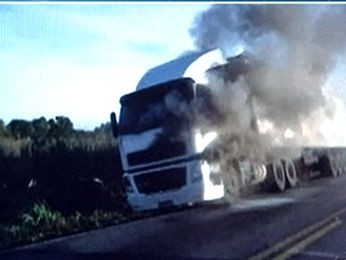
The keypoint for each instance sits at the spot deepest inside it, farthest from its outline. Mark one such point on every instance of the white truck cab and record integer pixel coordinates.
(162, 143)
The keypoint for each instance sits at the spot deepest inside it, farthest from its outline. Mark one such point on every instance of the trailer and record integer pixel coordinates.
(323, 162)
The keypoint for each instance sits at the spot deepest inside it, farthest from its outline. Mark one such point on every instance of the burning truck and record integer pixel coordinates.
(179, 146)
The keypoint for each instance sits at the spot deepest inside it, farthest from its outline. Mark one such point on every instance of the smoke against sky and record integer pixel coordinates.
(78, 60)
(296, 48)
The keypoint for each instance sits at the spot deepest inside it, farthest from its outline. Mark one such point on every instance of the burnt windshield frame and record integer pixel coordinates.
(145, 109)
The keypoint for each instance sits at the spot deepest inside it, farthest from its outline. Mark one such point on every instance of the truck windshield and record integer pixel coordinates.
(164, 105)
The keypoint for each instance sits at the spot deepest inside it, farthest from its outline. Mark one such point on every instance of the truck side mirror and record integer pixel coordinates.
(114, 124)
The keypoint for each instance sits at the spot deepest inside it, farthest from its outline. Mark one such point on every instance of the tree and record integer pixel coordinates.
(41, 128)
(20, 128)
(65, 125)
(60, 128)
(3, 131)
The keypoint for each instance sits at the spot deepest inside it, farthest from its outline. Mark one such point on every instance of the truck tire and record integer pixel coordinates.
(232, 182)
(291, 173)
(275, 180)
(279, 176)
(233, 185)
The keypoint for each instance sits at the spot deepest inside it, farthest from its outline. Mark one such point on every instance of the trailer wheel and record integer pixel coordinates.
(232, 183)
(275, 180)
(291, 173)
(279, 176)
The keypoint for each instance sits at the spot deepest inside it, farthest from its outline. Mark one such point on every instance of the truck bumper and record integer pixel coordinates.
(185, 195)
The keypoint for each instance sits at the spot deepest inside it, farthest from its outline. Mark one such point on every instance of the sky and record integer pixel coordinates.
(77, 60)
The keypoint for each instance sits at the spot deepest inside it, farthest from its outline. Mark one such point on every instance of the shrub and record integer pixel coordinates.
(37, 222)
(41, 222)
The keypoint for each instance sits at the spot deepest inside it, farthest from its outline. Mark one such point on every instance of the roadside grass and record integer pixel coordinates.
(40, 222)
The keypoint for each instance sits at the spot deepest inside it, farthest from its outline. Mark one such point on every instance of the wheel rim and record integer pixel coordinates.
(291, 174)
(279, 176)
(233, 185)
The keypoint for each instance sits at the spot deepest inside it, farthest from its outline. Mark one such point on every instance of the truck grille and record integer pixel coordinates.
(157, 153)
(163, 180)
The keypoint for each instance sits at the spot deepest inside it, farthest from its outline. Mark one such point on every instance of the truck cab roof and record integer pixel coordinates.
(191, 65)
(158, 90)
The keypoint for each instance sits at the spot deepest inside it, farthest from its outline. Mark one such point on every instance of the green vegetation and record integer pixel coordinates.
(41, 222)
(76, 173)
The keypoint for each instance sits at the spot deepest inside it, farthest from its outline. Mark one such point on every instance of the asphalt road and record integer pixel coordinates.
(303, 223)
